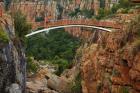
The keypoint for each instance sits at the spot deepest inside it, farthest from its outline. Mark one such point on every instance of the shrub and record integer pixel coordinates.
(3, 36)
(39, 19)
(7, 4)
(62, 64)
(21, 25)
(123, 10)
(114, 8)
(76, 85)
(124, 3)
(31, 65)
(103, 13)
(87, 13)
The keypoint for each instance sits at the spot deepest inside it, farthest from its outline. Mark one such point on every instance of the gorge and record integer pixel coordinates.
(71, 59)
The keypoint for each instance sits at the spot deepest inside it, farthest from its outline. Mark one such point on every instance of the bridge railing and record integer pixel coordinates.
(89, 22)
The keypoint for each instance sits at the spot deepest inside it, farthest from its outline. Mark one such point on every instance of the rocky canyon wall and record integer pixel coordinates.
(111, 61)
(12, 60)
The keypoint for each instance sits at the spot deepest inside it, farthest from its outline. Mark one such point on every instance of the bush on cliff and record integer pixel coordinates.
(3, 36)
(76, 85)
(31, 65)
(7, 4)
(22, 27)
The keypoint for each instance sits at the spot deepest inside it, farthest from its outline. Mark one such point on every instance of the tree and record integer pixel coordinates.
(57, 47)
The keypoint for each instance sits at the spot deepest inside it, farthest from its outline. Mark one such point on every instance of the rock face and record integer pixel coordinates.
(45, 81)
(12, 63)
(111, 62)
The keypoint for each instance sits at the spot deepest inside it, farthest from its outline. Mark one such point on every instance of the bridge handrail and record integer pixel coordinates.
(90, 22)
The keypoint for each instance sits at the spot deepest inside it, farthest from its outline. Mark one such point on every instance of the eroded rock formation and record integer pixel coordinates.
(110, 64)
(12, 61)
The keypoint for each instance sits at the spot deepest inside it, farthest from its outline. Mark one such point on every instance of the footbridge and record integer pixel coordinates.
(90, 23)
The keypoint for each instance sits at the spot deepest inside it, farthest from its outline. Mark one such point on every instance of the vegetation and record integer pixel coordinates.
(58, 47)
(76, 85)
(124, 89)
(3, 36)
(87, 13)
(133, 31)
(124, 6)
(31, 66)
(102, 3)
(103, 13)
(75, 12)
(62, 64)
(21, 25)
(7, 4)
(39, 19)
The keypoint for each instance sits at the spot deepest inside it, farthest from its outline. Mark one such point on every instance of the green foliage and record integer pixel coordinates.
(60, 10)
(21, 25)
(76, 85)
(7, 4)
(102, 3)
(74, 13)
(124, 90)
(123, 10)
(124, 3)
(57, 46)
(39, 19)
(31, 66)
(3, 36)
(103, 13)
(114, 8)
(87, 13)
(62, 64)
(55, 43)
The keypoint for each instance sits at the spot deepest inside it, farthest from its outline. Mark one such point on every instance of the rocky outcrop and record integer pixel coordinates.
(110, 63)
(12, 62)
(45, 81)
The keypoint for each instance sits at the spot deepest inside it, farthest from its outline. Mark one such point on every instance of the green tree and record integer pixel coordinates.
(58, 47)
(76, 85)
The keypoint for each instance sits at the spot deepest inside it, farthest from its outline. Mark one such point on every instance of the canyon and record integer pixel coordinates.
(108, 62)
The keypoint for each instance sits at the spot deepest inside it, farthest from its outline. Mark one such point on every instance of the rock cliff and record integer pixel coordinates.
(111, 61)
(12, 60)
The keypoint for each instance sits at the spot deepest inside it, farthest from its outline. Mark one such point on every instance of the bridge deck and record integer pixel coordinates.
(107, 24)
